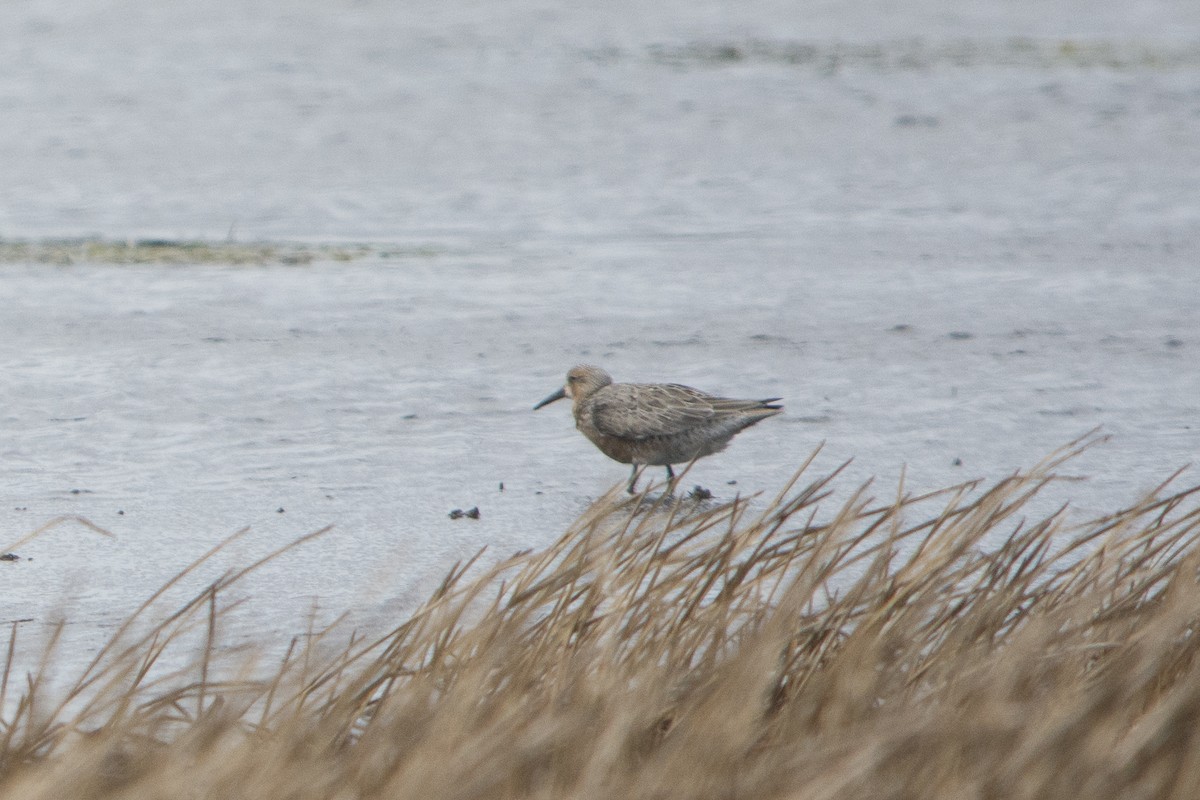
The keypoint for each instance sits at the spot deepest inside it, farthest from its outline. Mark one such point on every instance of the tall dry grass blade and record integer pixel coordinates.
(9, 653)
(51, 525)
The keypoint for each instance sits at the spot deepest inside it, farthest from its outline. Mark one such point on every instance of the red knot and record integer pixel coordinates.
(657, 424)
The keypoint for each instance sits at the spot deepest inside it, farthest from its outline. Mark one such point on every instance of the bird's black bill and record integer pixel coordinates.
(559, 395)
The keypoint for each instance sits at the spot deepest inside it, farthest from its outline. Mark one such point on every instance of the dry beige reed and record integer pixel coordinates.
(879, 649)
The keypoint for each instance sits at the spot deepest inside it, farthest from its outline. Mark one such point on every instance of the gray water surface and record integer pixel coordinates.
(952, 238)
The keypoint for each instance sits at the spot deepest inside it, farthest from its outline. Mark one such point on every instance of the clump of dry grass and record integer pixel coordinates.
(877, 651)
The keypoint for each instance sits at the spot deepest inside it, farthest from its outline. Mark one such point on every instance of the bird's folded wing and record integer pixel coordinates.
(641, 411)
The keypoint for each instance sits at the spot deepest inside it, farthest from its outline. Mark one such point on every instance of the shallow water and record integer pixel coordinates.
(939, 241)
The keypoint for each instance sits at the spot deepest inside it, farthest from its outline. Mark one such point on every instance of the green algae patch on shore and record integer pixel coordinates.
(919, 54)
(171, 251)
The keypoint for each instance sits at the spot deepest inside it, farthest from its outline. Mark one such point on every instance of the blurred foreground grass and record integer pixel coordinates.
(665, 652)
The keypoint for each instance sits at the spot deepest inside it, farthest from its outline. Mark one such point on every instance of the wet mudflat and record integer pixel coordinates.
(174, 406)
(948, 252)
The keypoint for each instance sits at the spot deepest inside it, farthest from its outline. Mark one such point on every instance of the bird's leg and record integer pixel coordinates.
(670, 480)
(633, 476)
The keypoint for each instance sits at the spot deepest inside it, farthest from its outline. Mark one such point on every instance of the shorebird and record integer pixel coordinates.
(657, 424)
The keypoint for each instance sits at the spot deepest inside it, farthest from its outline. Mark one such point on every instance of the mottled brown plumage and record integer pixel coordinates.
(655, 423)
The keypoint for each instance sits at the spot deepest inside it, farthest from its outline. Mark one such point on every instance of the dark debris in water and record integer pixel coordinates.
(9, 557)
(916, 121)
(470, 513)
